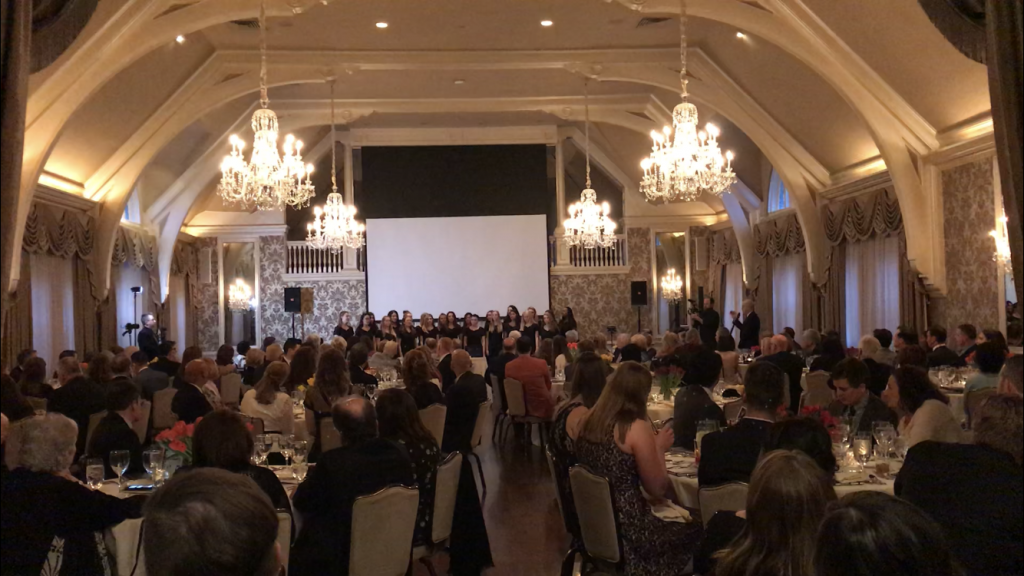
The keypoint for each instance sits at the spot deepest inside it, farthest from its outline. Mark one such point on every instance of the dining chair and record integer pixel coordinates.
(383, 525)
(563, 493)
(818, 393)
(142, 426)
(94, 421)
(284, 538)
(499, 408)
(973, 401)
(482, 415)
(433, 417)
(446, 489)
(231, 389)
(599, 522)
(330, 438)
(516, 398)
(733, 411)
(731, 497)
(163, 416)
(479, 366)
(128, 554)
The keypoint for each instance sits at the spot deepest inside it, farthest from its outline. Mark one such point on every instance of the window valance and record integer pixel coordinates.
(63, 233)
(779, 236)
(185, 261)
(858, 219)
(724, 248)
(135, 247)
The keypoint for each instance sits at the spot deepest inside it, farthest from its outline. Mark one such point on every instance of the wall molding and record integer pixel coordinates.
(53, 197)
(236, 232)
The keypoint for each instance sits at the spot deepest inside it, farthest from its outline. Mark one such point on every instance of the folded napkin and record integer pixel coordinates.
(852, 478)
(670, 512)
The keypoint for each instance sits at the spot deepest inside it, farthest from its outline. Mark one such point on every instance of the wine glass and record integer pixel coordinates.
(862, 447)
(119, 460)
(94, 472)
(153, 462)
(262, 446)
(285, 444)
(840, 442)
(300, 449)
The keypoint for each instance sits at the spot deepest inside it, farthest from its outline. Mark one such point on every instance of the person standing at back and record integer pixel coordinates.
(708, 321)
(749, 324)
(147, 338)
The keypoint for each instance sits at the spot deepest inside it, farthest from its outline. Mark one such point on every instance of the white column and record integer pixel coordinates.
(562, 257)
(350, 195)
(688, 246)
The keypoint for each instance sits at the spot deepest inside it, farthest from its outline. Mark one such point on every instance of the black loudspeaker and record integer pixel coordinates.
(638, 293)
(293, 300)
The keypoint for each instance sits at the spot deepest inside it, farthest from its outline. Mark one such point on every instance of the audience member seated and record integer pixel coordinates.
(268, 403)
(99, 368)
(463, 401)
(202, 507)
(222, 440)
(536, 379)
(994, 336)
(12, 404)
(869, 349)
(358, 362)
(621, 341)
(275, 353)
(940, 355)
(189, 403)
(832, 353)
(925, 408)
(967, 342)
(496, 365)
(885, 355)
(399, 422)
(20, 361)
(810, 344)
(365, 464)
(989, 357)
(48, 517)
(870, 534)
(974, 491)
(445, 347)
(912, 356)
(789, 496)
(209, 388)
(148, 381)
(255, 366)
(301, 368)
(806, 435)
(560, 352)
(167, 359)
(416, 376)
(225, 360)
(1011, 382)
(778, 354)
(386, 360)
(731, 455)
(854, 401)
(115, 431)
(906, 337)
(33, 383)
(693, 402)
(726, 348)
(77, 398)
(617, 442)
(291, 348)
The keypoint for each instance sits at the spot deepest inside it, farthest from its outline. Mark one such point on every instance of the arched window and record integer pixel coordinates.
(778, 196)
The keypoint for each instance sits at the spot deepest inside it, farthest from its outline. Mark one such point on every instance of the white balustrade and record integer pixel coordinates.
(598, 260)
(307, 263)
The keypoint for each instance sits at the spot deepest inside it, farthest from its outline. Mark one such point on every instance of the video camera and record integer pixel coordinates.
(129, 328)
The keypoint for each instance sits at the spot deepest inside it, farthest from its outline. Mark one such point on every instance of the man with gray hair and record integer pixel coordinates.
(365, 464)
(749, 324)
(77, 398)
(572, 337)
(810, 343)
(1011, 381)
(869, 347)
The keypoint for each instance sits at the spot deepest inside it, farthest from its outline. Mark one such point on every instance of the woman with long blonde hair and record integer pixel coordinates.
(268, 403)
(619, 442)
(427, 329)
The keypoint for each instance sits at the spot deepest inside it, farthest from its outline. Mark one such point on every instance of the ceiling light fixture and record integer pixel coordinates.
(1002, 254)
(589, 226)
(547, 23)
(268, 181)
(382, 25)
(334, 227)
(460, 82)
(240, 296)
(180, 39)
(741, 35)
(685, 162)
(672, 287)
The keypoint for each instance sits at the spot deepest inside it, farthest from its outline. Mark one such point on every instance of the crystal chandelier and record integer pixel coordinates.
(1002, 253)
(672, 287)
(267, 181)
(685, 162)
(240, 296)
(334, 227)
(589, 226)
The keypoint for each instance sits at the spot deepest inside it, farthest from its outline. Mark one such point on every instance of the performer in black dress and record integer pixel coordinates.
(454, 331)
(344, 328)
(549, 329)
(531, 329)
(426, 329)
(367, 328)
(387, 329)
(473, 337)
(568, 322)
(493, 342)
(513, 321)
(408, 336)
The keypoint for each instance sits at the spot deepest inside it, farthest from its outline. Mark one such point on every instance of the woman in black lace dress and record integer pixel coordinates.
(399, 421)
(618, 442)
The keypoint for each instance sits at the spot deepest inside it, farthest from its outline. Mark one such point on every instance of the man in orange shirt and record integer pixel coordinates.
(536, 379)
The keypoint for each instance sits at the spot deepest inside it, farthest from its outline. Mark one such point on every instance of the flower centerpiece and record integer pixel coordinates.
(667, 377)
(821, 414)
(177, 442)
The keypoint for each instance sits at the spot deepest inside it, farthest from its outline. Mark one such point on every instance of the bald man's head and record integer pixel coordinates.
(509, 345)
(780, 343)
(462, 362)
(355, 418)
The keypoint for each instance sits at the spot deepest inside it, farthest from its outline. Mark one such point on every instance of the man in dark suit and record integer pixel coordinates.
(444, 366)
(358, 359)
(148, 381)
(77, 398)
(121, 366)
(749, 325)
(463, 400)
(967, 342)
(708, 321)
(189, 403)
(854, 400)
(496, 367)
(940, 355)
(147, 339)
(790, 364)
(23, 357)
(731, 455)
(115, 432)
(693, 402)
(365, 464)
(167, 360)
(974, 491)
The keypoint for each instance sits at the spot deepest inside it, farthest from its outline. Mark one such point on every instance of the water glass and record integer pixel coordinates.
(119, 460)
(94, 472)
(299, 470)
(862, 447)
(902, 447)
(300, 449)
(840, 442)
(153, 462)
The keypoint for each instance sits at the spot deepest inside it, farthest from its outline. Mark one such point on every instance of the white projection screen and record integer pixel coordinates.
(472, 264)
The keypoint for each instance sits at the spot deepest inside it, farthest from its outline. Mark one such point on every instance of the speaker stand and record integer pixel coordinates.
(638, 322)
(293, 325)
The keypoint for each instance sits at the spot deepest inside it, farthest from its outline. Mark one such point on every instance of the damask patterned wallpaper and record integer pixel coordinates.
(330, 298)
(698, 278)
(602, 300)
(208, 307)
(971, 276)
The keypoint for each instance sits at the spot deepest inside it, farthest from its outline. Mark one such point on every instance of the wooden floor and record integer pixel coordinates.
(523, 523)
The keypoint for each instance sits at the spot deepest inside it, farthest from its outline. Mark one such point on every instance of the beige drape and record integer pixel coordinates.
(761, 292)
(913, 294)
(17, 327)
(86, 326)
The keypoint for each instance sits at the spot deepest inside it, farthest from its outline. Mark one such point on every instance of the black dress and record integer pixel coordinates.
(392, 337)
(475, 342)
(426, 457)
(362, 332)
(545, 334)
(346, 333)
(453, 333)
(531, 332)
(408, 341)
(495, 343)
(428, 334)
(651, 547)
(508, 327)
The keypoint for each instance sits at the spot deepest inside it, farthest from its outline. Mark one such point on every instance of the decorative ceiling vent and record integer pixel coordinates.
(644, 22)
(252, 24)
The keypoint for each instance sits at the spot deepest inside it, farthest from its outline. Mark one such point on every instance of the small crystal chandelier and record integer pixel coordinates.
(334, 227)
(685, 162)
(1002, 254)
(589, 226)
(267, 181)
(672, 287)
(240, 296)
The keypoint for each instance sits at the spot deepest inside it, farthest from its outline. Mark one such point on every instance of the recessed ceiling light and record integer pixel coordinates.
(547, 23)
(180, 39)
(382, 25)
(741, 35)
(460, 82)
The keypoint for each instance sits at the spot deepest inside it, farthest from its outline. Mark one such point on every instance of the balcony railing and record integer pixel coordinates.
(598, 260)
(307, 263)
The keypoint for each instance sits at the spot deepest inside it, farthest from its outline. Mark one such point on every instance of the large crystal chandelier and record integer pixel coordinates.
(239, 296)
(672, 287)
(685, 162)
(589, 226)
(267, 181)
(1002, 254)
(334, 227)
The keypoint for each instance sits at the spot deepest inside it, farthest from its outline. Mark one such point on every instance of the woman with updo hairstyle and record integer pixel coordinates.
(417, 377)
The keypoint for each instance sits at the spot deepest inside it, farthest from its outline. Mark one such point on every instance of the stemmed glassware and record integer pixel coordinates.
(119, 460)
(261, 446)
(153, 462)
(884, 434)
(285, 443)
(862, 447)
(840, 441)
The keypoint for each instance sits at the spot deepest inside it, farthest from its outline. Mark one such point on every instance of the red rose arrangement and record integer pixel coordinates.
(821, 415)
(178, 440)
